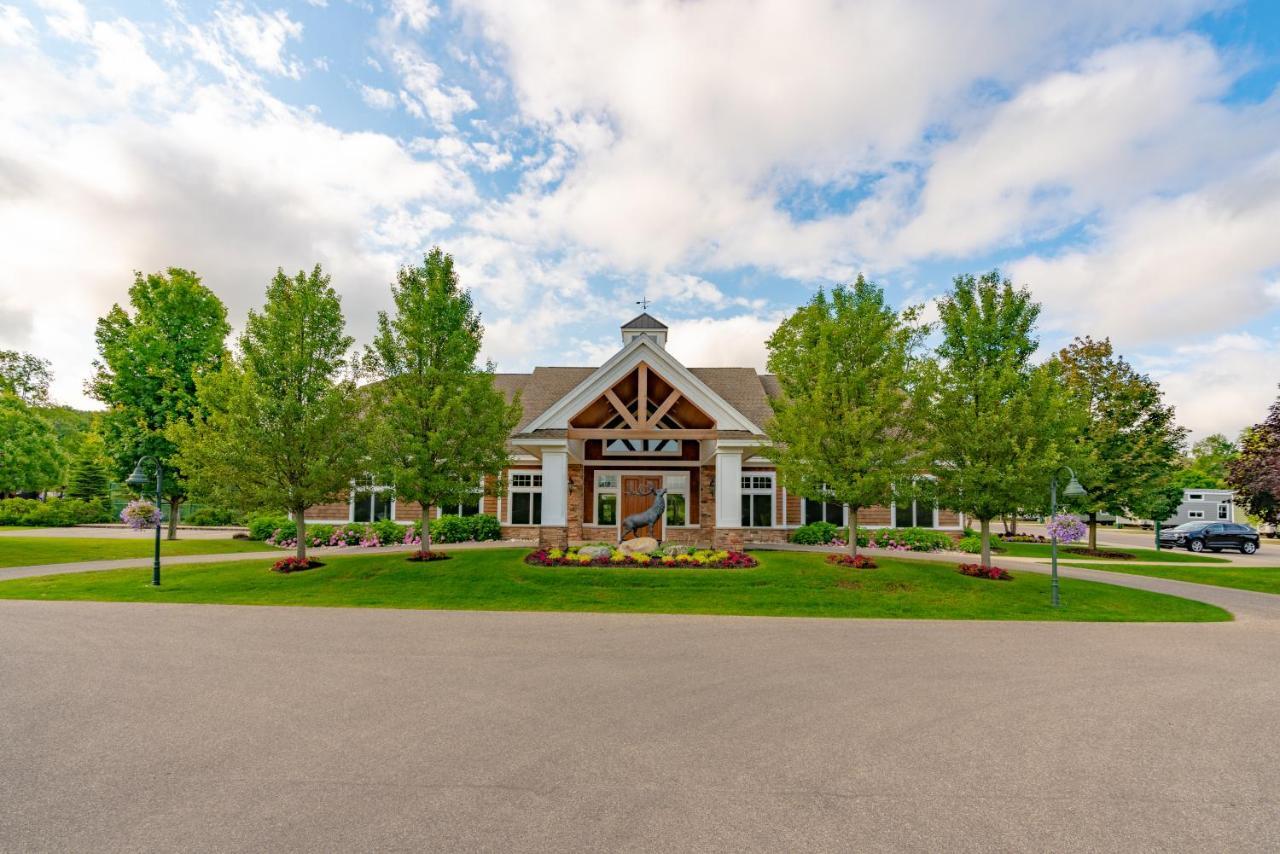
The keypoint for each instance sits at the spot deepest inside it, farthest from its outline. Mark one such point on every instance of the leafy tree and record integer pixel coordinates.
(845, 428)
(443, 426)
(1255, 473)
(30, 457)
(1158, 500)
(1206, 467)
(281, 425)
(1000, 424)
(26, 376)
(1128, 443)
(147, 369)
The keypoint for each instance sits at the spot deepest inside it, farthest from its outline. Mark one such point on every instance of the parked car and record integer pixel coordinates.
(1211, 536)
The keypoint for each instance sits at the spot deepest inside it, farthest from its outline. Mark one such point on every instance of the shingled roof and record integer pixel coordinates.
(644, 320)
(742, 388)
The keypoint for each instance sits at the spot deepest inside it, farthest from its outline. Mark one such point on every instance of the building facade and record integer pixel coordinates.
(594, 443)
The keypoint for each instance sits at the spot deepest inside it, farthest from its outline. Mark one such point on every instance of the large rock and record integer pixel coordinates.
(639, 545)
(595, 551)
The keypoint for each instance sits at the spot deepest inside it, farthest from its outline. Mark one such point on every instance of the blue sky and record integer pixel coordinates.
(724, 158)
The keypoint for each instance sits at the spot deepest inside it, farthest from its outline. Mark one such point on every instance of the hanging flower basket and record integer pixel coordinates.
(139, 514)
(1067, 528)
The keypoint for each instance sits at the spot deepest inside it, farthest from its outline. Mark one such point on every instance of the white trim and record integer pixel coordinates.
(512, 489)
(728, 488)
(555, 488)
(640, 349)
(771, 490)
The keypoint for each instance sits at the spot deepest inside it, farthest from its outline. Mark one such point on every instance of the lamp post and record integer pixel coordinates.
(138, 480)
(1072, 490)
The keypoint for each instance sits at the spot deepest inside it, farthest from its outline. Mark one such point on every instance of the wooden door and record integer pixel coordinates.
(636, 498)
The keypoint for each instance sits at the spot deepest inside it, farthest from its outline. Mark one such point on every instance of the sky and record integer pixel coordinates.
(723, 158)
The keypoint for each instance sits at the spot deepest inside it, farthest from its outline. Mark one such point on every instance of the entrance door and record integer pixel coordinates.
(637, 497)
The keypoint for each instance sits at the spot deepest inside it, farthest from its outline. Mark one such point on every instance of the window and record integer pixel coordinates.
(757, 501)
(1195, 496)
(815, 510)
(526, 498)
(912, 514)
(1224, 511)
(469, 507)
(370, 504)
(624, 447)
(677, 486)
(1195, 514)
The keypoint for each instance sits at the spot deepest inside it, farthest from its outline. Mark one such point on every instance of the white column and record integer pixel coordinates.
(555, 488)
(728, 488)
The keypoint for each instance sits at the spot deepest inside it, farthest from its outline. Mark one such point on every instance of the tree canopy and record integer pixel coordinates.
(31, 459)
(281, 425)
(1255, 473)
(1128, 442)
(442, 425)
(1001, 428)
(847, 425)
(147, 367)
(26, 376)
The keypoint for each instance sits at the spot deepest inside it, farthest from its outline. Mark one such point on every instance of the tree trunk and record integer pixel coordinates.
(1013, 528)
(299, 518)
(853, 531)
(173, 517)
(425, 545)
(1093, 532)
(986, 542)
(1004, 520)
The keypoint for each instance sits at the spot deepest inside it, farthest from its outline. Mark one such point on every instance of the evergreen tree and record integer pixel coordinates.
(999, 421)
(443, 426)
(846, 427)
(88, 479)
(1128, 445)
(147, 369)
(282, 424)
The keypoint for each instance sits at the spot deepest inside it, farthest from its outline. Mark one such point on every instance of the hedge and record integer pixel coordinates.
(53, 512)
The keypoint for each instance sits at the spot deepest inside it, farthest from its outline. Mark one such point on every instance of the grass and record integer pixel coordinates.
(33, 551)
(1263, 579)
(1146, 555)
(785, 584)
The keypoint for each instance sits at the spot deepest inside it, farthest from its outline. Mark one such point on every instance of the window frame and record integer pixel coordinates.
(372, 491)
(533, 487)
(751, 490)
(1197, 515)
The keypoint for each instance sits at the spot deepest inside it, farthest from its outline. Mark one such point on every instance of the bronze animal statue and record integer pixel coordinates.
(647, 519)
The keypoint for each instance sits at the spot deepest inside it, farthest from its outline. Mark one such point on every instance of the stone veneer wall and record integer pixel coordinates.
(576, 498)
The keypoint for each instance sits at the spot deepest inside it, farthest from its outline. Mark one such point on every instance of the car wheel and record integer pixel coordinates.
(1196, 545)
(1249, 548)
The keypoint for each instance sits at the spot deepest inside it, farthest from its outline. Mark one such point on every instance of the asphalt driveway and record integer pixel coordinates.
(135, 727)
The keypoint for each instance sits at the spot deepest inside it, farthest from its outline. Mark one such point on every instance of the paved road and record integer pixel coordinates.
(167, 727)
(1267, 555)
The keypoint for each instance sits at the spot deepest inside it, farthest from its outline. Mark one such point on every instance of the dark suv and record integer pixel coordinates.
(1211, 536)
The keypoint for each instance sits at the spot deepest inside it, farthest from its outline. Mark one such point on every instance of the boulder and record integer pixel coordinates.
(638, 545)
(594, 552)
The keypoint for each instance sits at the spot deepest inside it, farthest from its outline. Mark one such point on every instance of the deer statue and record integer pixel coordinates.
(648, 518)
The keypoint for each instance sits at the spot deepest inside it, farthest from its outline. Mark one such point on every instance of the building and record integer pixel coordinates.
(593, 443)
(1198, 505)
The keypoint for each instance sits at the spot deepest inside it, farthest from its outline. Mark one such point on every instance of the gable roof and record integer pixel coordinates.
(644, 320)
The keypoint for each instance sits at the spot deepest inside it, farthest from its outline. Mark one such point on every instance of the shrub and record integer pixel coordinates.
(262, 526)
(294, 564)
(319, 535)
(286, 534)
(209, 516)
(855, 561)
(971, 544)
(389, 533)
(1023, 538)
(977, 570)
(53, 512)
(450, 529)
(814, 534)
(485, 527)
(905, 539)
(350, 534)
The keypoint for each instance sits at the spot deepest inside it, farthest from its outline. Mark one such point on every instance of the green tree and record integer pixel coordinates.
(282, 424)
(1128, 443)
(26, 376)
(846, 427)
(30, 458)
(443, 426)
(1208, 464)
(88, 479)
(999, 421)
(148, 365)
(1255, 473)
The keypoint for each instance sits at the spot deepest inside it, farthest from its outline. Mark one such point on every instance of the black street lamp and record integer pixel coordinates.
(1073, 491)
(138, 480)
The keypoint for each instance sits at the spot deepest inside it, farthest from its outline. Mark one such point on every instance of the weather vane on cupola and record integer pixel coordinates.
(643, 302)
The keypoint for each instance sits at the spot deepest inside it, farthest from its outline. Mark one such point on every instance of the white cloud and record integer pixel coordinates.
(67, 18)
(423, 92)
(260, 37)
(379, 99)
(722, 342)
(1220, 384)
(414, 14)
(15, 28)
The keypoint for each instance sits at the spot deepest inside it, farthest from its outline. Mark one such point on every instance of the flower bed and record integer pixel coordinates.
(1084, 551)
(692, 559)
(428, 557)
(855, 561)
(294, 564)
(1022, 538)
(977, 570)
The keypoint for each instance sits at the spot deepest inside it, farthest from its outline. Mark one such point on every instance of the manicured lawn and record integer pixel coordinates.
(32, 551)
(1264, 579)
(1149, 555)
(785, 584)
